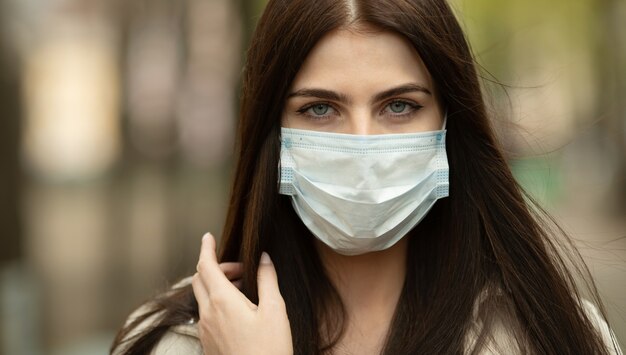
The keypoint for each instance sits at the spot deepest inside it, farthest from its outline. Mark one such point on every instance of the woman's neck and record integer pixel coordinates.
(369, 286)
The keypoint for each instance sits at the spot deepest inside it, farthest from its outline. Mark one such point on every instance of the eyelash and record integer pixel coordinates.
(303, 110)
(414, 107)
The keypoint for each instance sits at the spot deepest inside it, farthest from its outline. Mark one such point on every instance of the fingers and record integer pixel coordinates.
(233, 271)
(226, 277)
(199, 291)
(269, 293)
(207, 249)
(208, 269)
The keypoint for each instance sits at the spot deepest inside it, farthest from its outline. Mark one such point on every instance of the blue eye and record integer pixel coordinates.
(401, 108)
(320, 109)
(398, 106)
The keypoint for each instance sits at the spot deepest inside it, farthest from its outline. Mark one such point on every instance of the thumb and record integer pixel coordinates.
(267, 281)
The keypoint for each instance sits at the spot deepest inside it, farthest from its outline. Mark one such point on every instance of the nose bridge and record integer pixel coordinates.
(362, 123)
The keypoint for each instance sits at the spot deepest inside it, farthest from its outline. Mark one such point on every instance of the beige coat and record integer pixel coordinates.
(184, 339)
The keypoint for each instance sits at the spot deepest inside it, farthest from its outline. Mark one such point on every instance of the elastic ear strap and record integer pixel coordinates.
(286, 178)
(445, 120)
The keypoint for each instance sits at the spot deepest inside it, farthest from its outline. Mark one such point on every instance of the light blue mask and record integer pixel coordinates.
(359, 194)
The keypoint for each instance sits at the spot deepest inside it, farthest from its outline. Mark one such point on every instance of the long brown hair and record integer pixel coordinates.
(487, 238)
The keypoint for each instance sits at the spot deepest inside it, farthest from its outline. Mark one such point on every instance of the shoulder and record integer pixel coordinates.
(492, 331)
(601, 326)
(180, 339)
(502, 334)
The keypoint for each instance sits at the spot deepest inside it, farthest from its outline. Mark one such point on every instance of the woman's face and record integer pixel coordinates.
(363, 82)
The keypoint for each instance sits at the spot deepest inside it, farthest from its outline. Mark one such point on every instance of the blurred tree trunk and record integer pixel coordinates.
(10, 241)
(250, 11)
(611, 65)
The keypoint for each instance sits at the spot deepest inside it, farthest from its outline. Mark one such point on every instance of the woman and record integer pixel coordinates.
(393, 224)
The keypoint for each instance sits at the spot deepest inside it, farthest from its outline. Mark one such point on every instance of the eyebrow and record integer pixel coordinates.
(399, 90)
(320, 94)
(335, 96)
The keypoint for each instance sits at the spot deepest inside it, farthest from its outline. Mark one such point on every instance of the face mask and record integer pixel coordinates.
(359, 194)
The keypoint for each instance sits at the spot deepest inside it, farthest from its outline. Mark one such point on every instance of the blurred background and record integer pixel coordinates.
(116, 137)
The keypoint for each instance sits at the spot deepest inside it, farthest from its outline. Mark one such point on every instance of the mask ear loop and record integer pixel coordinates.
(286, 165)
(445, 121)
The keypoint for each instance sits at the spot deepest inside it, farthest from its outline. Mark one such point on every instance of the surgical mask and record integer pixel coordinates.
(362, 193)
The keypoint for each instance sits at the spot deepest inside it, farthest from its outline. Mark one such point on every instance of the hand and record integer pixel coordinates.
(231, 324)
(233, 272)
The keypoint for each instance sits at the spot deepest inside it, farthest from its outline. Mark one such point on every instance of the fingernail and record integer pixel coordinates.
(265, 259)
(205, 236)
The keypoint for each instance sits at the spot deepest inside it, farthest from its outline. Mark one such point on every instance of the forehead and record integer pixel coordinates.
(368, 57)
